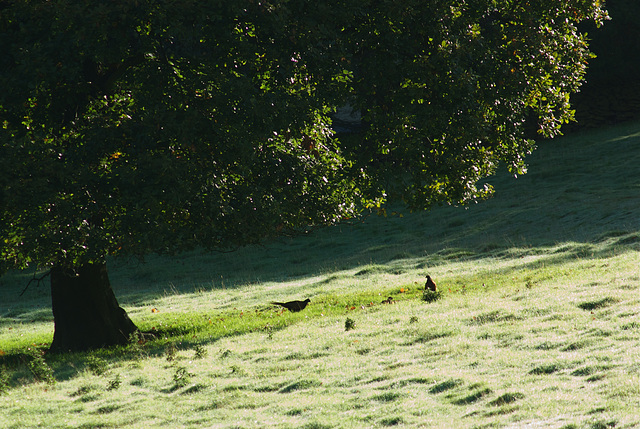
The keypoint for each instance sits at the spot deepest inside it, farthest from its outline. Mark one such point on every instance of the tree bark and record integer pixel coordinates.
(86, 312)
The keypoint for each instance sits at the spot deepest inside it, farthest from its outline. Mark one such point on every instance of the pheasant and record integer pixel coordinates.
(430, 284)
(293, 306)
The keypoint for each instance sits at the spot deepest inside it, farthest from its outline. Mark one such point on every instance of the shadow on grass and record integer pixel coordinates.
(237, 271)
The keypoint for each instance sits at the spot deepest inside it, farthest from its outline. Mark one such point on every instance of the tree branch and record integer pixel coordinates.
(38, 280)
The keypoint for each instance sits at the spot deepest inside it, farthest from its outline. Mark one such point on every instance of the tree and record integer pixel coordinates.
(144, 127)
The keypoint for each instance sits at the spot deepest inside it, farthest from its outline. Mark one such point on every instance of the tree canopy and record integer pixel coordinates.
(157, 126)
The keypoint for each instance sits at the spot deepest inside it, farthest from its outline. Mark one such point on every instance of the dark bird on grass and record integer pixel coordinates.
(388, 301)
(430, 285)
(293, 306)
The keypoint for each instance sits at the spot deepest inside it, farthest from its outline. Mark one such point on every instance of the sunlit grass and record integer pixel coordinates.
(500, 356)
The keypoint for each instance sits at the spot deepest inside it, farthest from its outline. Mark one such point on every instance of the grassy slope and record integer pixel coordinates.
(538, 326)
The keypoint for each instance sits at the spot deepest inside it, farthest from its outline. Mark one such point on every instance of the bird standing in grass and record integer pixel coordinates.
(293, 306)
(430, 284)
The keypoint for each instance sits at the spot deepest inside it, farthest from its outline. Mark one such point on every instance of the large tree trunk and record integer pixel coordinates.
(85, 310)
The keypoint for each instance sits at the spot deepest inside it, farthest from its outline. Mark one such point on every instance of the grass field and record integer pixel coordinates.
(537, 324)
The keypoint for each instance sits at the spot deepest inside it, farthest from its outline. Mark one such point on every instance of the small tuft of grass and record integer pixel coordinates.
(107, 409)
(495, 316)
(315, 425)
(429, 335)
(266, 388)
(595, 377)
(546, 345)
(595, 305)
(630, 326)
(114, 383)
(387, 397)
(577, 345)
(82, 390)
(196, 388)
(507, 398)
(200, 352)
(589, 370)
(238, 370)
(349, 324)
(603, 424)
(545, 369)
(430, 296)
(444, 386)
(181, 376)
(363, 351)
(409, 381)
(392, 421)
(300, 385)
(473, 397)
(138, 381)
